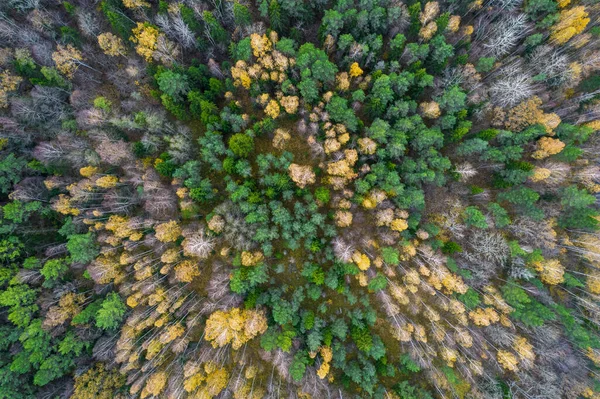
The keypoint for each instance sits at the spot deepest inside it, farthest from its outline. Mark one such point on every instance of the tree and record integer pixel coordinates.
(571, 22)
(67, 59)
(234, 326)
(111, 45)
(302, 175)
(474, 217)
(98, 383)
(241, 14)
(168, 232)
(11, 168)
(174, 84)
(241, 144)
(82, 247)
(145, 37)
(315, 62)
(111, 312)
(53, 269)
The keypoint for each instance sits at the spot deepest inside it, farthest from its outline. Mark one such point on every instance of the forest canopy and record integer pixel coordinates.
(299, 199)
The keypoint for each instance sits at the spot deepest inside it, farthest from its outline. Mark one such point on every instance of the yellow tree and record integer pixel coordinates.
(168, 232)
(272, 109)
(67, 59)
(8, 83)
(355, 70)
(155, 384)
(235, 327)
(98, 383)
(571, 22)
(430, 109)
(302, 175)
(547, 146)
(186, 271)
(145, 37)
(135, 3)
(508, 360)
(111, 44)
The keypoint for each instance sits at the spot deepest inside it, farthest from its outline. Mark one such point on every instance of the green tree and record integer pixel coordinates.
(111, 312)
(82, 247)
(174, 84)
(241, 144)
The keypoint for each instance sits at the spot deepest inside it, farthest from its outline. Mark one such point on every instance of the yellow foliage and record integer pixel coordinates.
(167, 232)
(186, 271)
(571, 22)
(507, 360)
(245, 79)
(355, 70)
(547, 146)
(367, 145)
(135, 3)
(563, 3)
(98, 383)
(108, 181)
(251, 258)
(430, 11)
(261, 45)
(449, 355)
(193, 382)
(529, 113)
(172, 332)
(427, 31)
(430, 109)
(453, 23)
(155, 384)
(340, 168)
(484, 317)
(343, 218)
(272, 109)
(8, 83)
(399, 225)
(551, 271)
(342, 81)
(524, 349)
(540, 174)
(63, 205)
(290, 104)
(302, 175)
(145, 36)
(88, 171)
(111, 44)
(67, 59)
(236, 326)
(281, 137)
(361, 260)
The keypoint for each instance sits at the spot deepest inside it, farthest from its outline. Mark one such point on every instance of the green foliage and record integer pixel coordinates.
(174, 84)
(474, 217)
(111, 312)
(322, 194)
(470, 298)
(408, 391)
(298, 366)
(54, 268)
(362, 338)
(241, 144)
(11, 168)
(526, 309)
(485, 64)
(82, 247)
(451, 247)
(390, 255)
(116, 16)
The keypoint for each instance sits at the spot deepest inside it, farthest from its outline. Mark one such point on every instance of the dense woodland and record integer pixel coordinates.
(299, 199)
